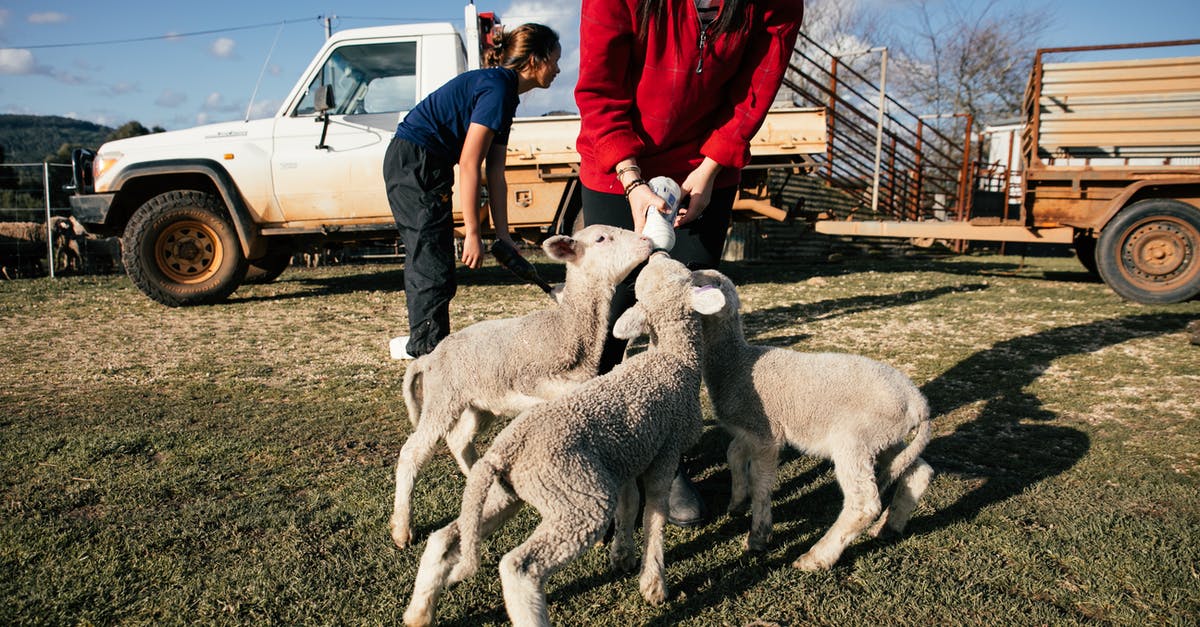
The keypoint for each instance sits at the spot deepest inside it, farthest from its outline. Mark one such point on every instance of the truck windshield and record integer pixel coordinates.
(367, 78)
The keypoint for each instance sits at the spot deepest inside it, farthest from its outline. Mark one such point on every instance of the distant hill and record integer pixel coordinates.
(35, 138)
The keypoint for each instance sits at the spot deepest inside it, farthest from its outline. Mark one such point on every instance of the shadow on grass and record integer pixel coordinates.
(1007, 449)
(764, 320)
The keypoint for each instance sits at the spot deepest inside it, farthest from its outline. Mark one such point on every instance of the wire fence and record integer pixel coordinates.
(36, 236)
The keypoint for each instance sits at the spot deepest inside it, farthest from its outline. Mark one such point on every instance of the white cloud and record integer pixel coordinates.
(223, 48)
(214, 100)
(123, 87)
(170, 98)
(264, 108)
(17, 62)
(47, 17)
(202, 118)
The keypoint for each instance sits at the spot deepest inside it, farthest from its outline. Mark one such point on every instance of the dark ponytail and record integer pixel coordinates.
(731, 19)
(515, 49)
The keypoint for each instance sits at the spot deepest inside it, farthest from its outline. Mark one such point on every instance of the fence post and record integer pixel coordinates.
(49, 226)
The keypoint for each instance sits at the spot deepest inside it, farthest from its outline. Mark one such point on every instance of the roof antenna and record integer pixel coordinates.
(254, 94)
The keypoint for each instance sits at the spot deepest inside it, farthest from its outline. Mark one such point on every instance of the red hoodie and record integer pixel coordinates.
(672, 100)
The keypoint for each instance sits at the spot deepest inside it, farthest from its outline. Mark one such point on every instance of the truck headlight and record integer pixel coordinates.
(101, 164)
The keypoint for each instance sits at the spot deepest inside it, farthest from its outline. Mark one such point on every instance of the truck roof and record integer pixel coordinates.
(394, 30)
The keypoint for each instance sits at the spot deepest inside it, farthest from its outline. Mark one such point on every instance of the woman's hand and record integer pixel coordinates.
(697, 191)
(640, 199)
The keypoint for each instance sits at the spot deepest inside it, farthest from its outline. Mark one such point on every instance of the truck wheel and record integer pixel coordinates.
(180, 249)
(1085, 250)
(1150, 252)
(271, 265)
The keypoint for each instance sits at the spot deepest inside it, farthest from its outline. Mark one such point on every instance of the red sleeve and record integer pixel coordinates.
(768, 52)
(604, 93)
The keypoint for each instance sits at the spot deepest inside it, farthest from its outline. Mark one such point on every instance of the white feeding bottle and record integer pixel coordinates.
(660, 227)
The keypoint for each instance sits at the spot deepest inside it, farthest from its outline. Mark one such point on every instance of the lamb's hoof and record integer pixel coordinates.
(417, 618)
(810, 563)
(755, 545)
(883, 531)
(655, 594)
(623, 561)
(401, 537)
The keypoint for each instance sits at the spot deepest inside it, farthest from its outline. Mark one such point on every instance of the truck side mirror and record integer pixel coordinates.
(323, 99)
(323, 102)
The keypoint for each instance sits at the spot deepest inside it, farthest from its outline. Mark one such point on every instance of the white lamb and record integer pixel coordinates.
(501, 367)
(577, 460)
(848, 409)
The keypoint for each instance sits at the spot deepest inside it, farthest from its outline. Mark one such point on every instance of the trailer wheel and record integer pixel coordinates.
(1085, 250)
(180, 249)
(1150, 253)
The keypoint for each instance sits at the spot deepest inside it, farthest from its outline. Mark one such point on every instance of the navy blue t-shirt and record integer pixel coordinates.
(440, 121)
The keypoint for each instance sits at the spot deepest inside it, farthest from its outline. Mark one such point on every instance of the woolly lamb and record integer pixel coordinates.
(501, 367)
(577, 460)
(847, 409)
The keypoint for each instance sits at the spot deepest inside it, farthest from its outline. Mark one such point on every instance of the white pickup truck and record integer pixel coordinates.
(202, 210)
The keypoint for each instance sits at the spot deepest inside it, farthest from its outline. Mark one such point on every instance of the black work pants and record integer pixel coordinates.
(419, 189)
(698, 245)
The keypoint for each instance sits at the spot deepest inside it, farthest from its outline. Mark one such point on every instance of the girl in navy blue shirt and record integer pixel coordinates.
(465, 122)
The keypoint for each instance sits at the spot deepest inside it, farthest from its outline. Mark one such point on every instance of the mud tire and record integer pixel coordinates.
(181, 250)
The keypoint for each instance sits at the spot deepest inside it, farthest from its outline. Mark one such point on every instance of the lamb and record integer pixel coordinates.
(848, 409)
(577, 460)
(501, 367)
(23, 246)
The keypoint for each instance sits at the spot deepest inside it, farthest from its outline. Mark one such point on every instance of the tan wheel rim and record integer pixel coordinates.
(188, 251)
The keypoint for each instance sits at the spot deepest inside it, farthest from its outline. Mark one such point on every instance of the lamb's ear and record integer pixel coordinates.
(707, 299)
(631, 324)
(561, 248)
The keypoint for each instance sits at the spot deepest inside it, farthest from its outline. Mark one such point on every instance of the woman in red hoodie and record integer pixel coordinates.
(675, 88)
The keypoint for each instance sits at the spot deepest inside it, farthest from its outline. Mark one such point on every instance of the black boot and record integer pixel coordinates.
(685, 508)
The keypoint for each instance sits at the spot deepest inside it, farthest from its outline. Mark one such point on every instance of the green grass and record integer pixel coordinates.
(232, 464)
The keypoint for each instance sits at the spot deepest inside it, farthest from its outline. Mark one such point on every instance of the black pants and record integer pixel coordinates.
(419, 188)
(698, 245)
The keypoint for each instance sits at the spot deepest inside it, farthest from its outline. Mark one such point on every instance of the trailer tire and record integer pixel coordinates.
(1085, 251)
(1150, 252)
(181, 249)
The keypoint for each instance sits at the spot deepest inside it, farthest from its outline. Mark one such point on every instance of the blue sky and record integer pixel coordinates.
(210, 72)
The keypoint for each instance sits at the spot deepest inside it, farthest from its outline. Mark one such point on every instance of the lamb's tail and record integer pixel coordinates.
(412, 392)
(922, 430)
(483, 474)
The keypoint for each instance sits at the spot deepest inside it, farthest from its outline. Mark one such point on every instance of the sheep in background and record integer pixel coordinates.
(23, 247)
(848, 409)
(578, 459)
(501, 367)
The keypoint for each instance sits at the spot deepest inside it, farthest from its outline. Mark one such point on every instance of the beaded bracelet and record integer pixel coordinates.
(633, 184)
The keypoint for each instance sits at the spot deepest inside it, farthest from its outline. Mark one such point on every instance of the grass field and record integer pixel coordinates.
(232, 464)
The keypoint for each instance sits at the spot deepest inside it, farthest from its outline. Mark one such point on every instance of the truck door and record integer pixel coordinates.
(373, 84)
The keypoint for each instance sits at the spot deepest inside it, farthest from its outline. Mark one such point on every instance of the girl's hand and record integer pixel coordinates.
(472, 254)
(697, 191)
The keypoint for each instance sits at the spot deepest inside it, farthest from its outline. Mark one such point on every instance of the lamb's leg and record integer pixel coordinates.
(738, 457)
(555, 542)
(909, 488)
(415, 453)
(460, 439)
(442, 554)
(621, 553)
(764, 462)
(657, 483)
(860, 507)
